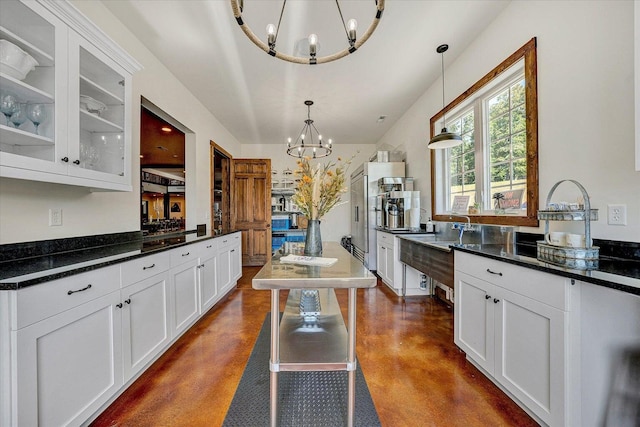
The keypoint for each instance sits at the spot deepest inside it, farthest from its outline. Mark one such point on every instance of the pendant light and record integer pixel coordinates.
(444, 139)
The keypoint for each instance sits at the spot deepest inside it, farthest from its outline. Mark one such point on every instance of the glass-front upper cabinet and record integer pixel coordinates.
(30, 64)
(99, 104)
(66, 98)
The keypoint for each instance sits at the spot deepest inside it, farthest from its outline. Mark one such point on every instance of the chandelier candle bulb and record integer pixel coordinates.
(352, 26)
(313, 43)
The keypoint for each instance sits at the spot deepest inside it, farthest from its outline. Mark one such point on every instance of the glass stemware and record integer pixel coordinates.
(19, 115)
(8, 105)
(37, 114)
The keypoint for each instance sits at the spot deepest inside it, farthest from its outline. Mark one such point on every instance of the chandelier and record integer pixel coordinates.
(306, 142)
(272, 34)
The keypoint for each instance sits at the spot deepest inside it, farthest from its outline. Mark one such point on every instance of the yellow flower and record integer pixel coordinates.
(320, 188)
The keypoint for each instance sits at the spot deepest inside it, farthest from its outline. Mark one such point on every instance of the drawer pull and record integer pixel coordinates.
(80, 290)
(151, 266)
(224, 241)
(185, 254)
(487, 297)
(496, 300)
(209, 247)
(493, 272)
(128, 301)
(233, 250)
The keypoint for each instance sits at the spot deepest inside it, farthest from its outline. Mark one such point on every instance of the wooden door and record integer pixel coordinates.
(251, 208)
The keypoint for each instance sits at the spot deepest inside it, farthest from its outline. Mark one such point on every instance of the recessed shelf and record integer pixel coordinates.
(25, 92)
(97, 92)
(43, 58)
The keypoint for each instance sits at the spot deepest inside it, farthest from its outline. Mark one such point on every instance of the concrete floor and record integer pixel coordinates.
(415, 373)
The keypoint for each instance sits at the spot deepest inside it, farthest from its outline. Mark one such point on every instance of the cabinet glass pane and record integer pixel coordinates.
(101, 116)
(27, 84)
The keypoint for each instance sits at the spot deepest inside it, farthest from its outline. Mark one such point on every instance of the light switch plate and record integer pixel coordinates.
(617, 214)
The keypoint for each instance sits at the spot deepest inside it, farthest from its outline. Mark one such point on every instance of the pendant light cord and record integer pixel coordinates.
(444, 119)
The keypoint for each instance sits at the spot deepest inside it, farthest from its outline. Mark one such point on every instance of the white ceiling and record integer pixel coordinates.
(260, 99)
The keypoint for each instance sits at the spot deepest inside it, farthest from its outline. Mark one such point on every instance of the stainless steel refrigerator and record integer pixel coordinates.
(364, 190)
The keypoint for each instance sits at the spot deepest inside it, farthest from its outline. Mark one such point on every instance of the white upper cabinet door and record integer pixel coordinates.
(36, 138)
(99, 108)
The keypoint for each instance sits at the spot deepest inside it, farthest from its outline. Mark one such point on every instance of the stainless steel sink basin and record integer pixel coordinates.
(443, 245)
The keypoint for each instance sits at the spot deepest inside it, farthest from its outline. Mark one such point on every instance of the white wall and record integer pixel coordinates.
(336, 223)
(24, 205)
(585, 102)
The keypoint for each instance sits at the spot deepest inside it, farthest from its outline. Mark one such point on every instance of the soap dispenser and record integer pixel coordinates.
(429, 225)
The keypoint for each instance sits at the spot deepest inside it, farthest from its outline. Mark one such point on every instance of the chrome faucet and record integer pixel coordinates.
(461, 227)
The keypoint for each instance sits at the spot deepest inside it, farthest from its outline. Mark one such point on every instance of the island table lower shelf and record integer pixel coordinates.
(318, 340)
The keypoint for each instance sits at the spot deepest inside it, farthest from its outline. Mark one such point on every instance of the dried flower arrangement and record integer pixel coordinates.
(320, 187)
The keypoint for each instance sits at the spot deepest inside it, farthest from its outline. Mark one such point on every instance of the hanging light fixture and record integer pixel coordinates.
(272, 35)
(306, 144)
(444, 139)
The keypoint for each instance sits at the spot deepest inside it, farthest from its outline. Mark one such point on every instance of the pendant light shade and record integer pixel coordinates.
(444, 139)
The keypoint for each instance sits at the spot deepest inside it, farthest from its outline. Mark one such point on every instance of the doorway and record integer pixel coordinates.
(163, 206)
(220, 189)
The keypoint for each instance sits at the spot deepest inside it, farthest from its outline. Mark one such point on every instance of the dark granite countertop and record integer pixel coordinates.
(31, 263)
(613, 272)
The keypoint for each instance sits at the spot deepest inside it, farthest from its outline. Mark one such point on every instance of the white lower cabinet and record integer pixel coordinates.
(145, 322)
(514, 324)
(208, 276)
(184, 296)
(229, 261)
(386, 259)
(68, 365)
(70, 345)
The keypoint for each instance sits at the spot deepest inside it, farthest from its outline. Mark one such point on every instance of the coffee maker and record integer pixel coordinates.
(397, 205)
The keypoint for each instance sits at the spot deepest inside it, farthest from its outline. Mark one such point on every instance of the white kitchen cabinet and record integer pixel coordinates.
(208, 275)
(72, 145)
(69, 364)
(385, 258)
(514, 324)
(145, 322)
(229, 261)
(185, 306)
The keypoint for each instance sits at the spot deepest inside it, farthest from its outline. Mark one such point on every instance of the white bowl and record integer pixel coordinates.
(91, 105)
(15, 62)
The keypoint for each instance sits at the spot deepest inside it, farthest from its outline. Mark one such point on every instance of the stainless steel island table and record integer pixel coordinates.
(293, 347)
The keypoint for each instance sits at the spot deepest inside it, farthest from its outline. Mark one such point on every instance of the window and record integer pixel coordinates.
(492, 175)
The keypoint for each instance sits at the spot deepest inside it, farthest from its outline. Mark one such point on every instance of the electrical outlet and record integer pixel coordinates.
(617, 214)
(55, 217)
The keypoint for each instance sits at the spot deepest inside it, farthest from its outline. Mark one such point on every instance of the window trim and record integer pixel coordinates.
(528, 52)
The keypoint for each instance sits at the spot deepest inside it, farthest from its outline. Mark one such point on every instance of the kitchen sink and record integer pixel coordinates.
(442, 245)
(430, 256)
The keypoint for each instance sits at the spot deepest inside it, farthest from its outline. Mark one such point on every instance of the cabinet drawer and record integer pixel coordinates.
(228, 240)
(386, 239)
(183, 254)
(142, 268)
(41, 301)
(208, 248)
(544, 287)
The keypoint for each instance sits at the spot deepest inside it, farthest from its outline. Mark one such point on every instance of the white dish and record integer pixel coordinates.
(15, 62)
(91, 105)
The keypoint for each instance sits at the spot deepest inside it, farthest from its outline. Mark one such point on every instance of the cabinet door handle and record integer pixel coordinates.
(487, 297)
(209, 247)
(76, 162)
(151, 266)
(494, 272)
(185, 254)
(79, 290)
(496, 300)
(119, 305)
(65, 159)
(128, 300)
(233, 250)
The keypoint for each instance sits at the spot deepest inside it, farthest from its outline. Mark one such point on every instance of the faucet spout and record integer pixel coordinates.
(461, 227)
